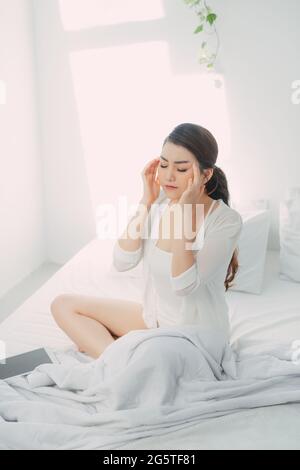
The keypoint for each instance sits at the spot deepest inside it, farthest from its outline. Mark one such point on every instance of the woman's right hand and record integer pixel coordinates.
(151, 181)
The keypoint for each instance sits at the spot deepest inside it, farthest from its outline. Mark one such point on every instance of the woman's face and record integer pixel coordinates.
(175, 169)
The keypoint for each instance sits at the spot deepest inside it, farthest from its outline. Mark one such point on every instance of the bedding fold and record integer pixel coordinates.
(146, 383)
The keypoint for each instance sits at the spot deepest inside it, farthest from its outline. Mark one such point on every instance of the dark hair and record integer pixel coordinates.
(204, 147)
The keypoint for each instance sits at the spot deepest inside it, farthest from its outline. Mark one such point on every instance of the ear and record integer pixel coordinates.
(208, 175)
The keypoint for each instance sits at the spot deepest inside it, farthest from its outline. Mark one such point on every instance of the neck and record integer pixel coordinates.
(204, 199)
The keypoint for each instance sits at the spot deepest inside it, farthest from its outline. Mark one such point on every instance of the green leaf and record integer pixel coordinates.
(192, 2)
(199, 29)
(211, 18)
(201, 15)
(210, 66)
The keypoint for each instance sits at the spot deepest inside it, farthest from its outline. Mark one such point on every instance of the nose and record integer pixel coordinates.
(170, 175)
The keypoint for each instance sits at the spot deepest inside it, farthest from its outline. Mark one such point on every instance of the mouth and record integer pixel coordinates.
(170, 187)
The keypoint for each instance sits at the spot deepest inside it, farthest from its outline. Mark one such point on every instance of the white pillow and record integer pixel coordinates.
(252, 248)
(289, 227)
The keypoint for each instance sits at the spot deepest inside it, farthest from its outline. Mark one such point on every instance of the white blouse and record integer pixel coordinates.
(196, 296)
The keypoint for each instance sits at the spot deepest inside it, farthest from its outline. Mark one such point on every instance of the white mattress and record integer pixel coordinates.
(256, 320)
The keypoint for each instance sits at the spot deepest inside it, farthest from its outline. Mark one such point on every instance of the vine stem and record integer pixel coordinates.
(206, 6)
(215, 32)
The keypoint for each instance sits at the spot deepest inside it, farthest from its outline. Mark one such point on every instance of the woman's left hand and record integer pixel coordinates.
(195, 188)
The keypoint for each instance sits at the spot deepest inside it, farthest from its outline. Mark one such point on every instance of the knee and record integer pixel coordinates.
(60, 305)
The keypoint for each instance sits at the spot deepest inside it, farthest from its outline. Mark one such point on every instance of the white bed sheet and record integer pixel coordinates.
(269, 318)
(89, 272)
(256, 320)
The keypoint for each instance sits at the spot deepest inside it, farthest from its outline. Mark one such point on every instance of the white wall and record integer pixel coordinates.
(106, 99)
(22, 244)
(46, 206)
(259, 41)
(259, 58)
(69, 222)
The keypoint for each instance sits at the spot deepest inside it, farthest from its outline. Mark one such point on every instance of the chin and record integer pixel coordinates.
(173, 195)
(174, 198)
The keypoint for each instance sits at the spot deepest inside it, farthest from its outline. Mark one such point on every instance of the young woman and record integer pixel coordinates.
(184, 275)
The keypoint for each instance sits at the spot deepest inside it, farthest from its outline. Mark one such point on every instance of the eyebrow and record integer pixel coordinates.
(178, 161)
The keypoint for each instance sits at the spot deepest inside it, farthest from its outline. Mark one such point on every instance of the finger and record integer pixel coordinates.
(149, 168)
(154, 163)
(154, 174)
(196, 172)
(154, 169)
(149, 164)
(155, 166)
(189, 184)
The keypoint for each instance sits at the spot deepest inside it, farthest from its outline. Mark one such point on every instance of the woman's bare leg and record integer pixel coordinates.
(93, 323)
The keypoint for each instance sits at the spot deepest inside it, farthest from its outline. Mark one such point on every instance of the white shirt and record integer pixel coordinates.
(196, 296)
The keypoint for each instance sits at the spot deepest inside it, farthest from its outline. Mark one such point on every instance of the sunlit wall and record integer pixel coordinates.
(113, 83)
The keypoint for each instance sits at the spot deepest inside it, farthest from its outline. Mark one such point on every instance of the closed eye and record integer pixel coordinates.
(181, 171)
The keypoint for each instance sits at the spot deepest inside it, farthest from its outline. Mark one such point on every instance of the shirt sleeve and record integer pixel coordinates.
(216, 251)
(124, 260)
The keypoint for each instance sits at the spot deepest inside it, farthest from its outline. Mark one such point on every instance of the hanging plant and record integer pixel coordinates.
(207, 27)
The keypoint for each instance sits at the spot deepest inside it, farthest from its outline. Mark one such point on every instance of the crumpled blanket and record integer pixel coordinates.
(145, 383)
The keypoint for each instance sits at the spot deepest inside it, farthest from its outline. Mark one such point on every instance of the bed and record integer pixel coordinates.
(257, 321)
